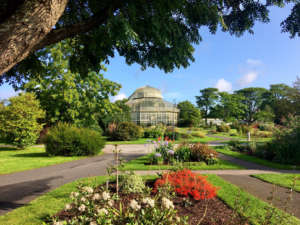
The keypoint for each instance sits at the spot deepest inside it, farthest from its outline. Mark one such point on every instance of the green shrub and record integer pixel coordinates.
(154, 132)
(132, 183)
(172, 135)
(285, 145)
(19, 120)
(67, 140)
(198, 134)
(202, 152)
(183, 153)
(186, 135)
(262, 134)
(243, 129)
(233, 132)
(125, 131)
(266, 126)
(223, 128)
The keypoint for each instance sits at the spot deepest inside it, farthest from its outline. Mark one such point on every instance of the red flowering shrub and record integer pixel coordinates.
(187, 183)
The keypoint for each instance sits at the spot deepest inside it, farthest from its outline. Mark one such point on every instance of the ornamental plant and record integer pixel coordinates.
(91, 206)
(202, 152)
(166, 149)
(19, 120)
(187, 183)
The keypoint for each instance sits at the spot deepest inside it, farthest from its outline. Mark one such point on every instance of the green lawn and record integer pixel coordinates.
(144, 140)
(254, 159)
(139, 164)
(55, 200)
(13, 160)
(283, 180)
(251, 207)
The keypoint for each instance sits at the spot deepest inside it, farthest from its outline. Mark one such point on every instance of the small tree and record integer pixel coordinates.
(189, 115)
(19, 120)
(207, 100)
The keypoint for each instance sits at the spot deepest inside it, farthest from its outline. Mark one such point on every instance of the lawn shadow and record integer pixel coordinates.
(8, 148)
(32, 155)
(18, 194)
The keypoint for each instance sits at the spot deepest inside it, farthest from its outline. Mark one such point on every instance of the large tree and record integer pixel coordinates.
(189, 115)
(66, 96)
(254, 98)
(207, 100)
(151, 33)
(230, 107)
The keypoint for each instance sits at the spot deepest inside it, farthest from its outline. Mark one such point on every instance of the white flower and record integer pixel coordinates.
(96, 196)
(148, 201)
(134, 205)
(93, 223)
(81, 208)
(110, 203)
(167, 203)
(68, 206)
(74, 194)
(83, 199)
(105, 195)
(102, 211)
(88, 189)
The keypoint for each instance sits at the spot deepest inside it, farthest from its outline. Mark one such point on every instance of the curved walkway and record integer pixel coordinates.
(20, 188)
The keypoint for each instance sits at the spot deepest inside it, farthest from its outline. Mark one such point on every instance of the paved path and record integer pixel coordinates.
(20, 188)
(254, 186)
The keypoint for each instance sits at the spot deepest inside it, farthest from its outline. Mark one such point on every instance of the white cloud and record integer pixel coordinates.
(118, 97)
(248, 78)
(223, 85)
(254, 62)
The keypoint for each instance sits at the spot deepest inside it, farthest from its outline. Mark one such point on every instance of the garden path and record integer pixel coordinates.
(20, 188)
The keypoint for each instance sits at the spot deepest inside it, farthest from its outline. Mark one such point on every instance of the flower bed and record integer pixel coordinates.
(157, 204)
(165, 153)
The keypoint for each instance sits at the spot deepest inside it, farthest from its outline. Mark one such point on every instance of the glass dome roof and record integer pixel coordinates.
(146, 92)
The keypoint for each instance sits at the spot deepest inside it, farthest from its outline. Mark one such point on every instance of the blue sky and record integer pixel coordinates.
(223, 61)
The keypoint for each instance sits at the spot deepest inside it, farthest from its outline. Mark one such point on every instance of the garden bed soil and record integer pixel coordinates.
(209, 212)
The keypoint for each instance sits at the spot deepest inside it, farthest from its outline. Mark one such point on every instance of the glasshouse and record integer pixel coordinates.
(149, 108)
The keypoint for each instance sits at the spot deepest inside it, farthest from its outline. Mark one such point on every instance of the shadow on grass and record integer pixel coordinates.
(32, 155)
(8, 148)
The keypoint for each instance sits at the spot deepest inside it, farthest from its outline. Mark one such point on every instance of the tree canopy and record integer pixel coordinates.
(189, 115)
(150, 33)
(67, 96)
(207, 100)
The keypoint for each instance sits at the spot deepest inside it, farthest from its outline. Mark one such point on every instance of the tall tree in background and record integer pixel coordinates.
(150, 33)
(67, 96)
(207, 100)
(230, 107)
(189, 115)
(253, 100)
(281, 101)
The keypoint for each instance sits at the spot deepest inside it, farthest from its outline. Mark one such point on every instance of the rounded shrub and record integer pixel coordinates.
(126, 131)
(132, 184)
(223, 128)
(154, 132)
(68, 140)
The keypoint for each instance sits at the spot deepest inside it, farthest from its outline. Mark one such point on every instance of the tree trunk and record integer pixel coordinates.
(26, 28)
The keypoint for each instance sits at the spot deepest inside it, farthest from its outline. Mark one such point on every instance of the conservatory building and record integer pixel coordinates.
(148, 107)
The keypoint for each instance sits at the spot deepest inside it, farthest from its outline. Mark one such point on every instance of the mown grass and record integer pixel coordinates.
(253, 159)
(48, 204)
(142, 162)
(249, 206)
(36, 211)
(283, 180)
(14, 160)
